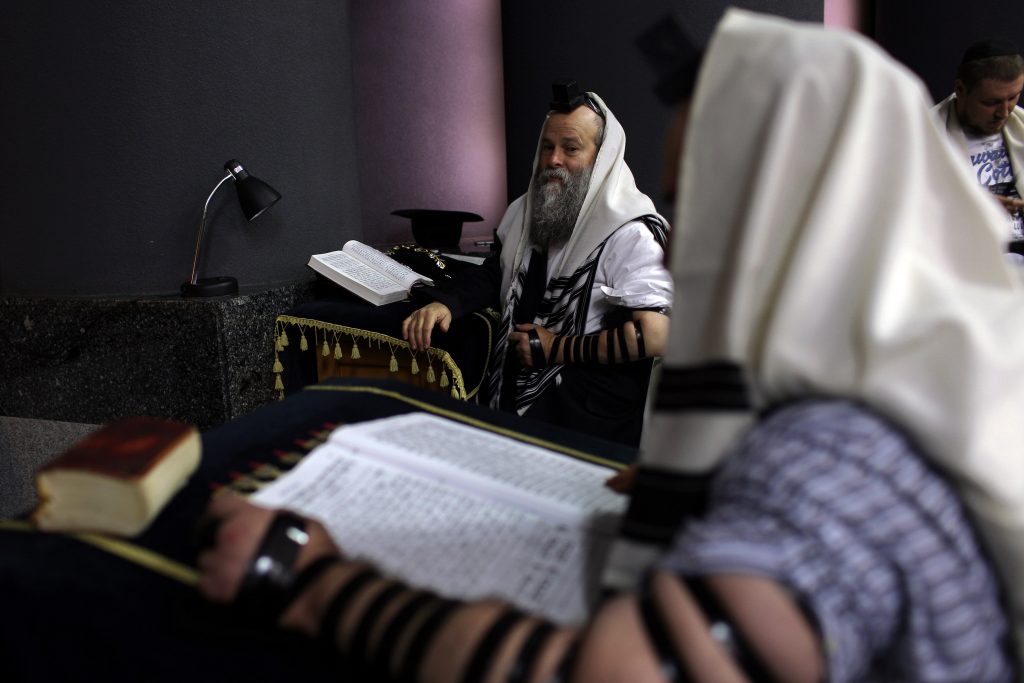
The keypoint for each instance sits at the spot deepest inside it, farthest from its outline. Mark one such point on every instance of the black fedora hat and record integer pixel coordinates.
(437, 228)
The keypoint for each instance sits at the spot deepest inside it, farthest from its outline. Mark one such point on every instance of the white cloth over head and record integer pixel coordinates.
(612, 200)
(830, 241)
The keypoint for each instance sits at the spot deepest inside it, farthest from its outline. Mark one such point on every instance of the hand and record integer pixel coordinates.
(416, 329)
(622, 481)
(520, 342)
(1011, 204)
(239, 533)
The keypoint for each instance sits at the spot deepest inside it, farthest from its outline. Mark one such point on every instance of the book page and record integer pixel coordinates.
(385, 264)
(360, 272)
(419, 517)
(557, 484)
(436, 536)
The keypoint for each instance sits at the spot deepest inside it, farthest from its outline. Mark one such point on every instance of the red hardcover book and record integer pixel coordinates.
(116, 479)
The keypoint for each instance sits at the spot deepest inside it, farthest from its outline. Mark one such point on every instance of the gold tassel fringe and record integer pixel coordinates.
(415, 369)
(355, 355)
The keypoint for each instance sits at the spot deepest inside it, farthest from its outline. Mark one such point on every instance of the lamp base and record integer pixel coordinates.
(210, 286)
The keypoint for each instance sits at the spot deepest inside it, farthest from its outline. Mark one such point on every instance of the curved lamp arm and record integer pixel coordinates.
(202, 227)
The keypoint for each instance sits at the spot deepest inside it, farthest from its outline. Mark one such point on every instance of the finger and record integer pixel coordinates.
(217, 585)
(622, 482)
(414, 329)
(423, 337)
(212, 587)
(225, 505)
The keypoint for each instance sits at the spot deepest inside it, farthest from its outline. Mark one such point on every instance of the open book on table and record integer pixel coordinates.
(461, 511)
(367, 272)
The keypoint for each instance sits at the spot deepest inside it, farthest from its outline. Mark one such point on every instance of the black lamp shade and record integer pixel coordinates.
(255, 196)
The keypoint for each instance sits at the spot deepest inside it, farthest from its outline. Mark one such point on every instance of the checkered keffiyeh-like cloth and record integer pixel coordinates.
(835, 504)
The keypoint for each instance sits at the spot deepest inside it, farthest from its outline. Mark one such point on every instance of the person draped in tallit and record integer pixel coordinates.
(579, 280)
(981, 117)
(843, 297)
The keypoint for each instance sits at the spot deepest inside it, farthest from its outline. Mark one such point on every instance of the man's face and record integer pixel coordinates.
(567, 153)
(568, 140)
(985, 108)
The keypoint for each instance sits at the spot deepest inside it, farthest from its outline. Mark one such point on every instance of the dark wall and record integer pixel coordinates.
(117, 119)
(932, 41)
(592, 41)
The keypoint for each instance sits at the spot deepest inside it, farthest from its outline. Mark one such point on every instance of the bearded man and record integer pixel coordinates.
(579, 278)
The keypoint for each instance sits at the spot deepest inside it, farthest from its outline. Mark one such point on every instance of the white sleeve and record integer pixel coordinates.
(632, 270)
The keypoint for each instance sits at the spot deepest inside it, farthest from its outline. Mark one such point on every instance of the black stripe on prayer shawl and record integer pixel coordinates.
(563, 311)
(557, 307)
(658, 228)
(717, 385)
(497, 361)
(571, 303)
(659, 502)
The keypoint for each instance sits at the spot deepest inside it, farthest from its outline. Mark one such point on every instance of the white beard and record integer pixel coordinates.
(556, 206)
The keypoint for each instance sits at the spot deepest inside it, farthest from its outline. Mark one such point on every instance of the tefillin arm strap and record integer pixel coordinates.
(606, 347)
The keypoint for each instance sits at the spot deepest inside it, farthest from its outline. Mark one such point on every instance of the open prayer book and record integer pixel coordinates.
(367, 272)
(461, 511)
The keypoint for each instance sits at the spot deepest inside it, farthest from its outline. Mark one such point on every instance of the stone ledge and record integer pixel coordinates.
(203, 361)
(25, 446)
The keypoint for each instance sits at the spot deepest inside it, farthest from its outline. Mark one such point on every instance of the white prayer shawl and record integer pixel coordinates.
(1013, 136)
(612, 201)
(831, 241)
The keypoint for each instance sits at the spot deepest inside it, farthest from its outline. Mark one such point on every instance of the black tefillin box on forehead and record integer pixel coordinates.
(567, 96)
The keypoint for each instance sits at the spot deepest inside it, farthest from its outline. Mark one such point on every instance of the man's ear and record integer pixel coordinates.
(959, 89)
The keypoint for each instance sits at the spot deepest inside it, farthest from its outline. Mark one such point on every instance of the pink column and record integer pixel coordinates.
(429, 109)
(844, 14)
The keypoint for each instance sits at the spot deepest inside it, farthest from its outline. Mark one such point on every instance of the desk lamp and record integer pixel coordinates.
(255, 197)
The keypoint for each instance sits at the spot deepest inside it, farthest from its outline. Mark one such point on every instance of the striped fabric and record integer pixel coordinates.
(563, 311)
(706, 387)
(833, 502)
